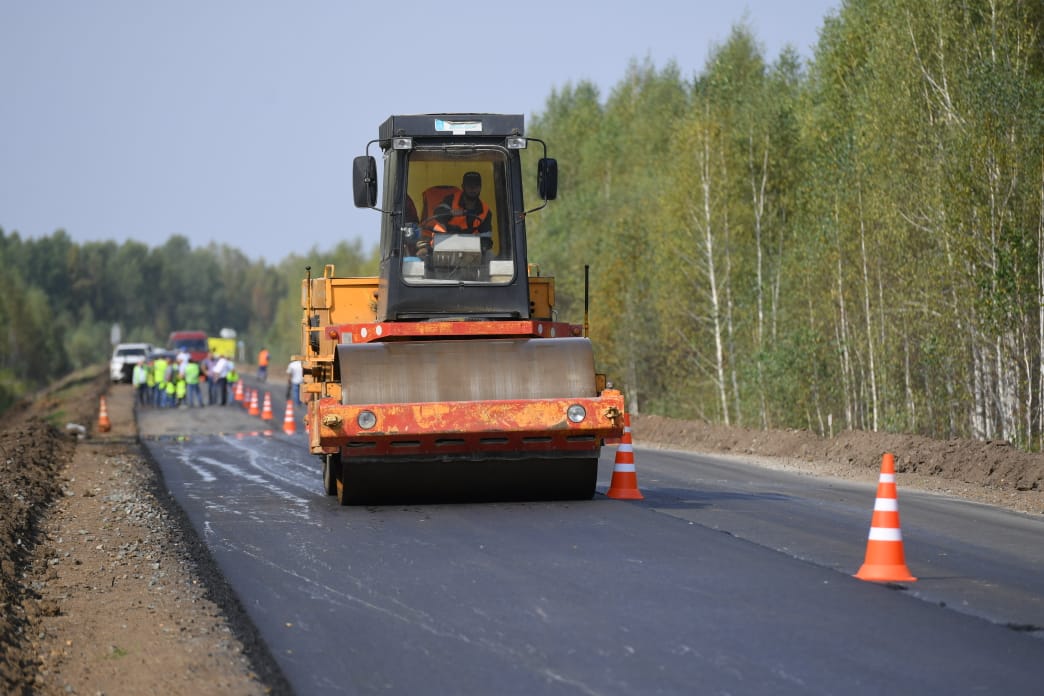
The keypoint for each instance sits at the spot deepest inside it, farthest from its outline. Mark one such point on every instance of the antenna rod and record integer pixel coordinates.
(587, 297)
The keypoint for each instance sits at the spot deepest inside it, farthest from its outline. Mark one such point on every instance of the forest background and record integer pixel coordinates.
(852, 242)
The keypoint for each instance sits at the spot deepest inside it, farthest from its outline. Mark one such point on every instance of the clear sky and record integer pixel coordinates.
(236, 121)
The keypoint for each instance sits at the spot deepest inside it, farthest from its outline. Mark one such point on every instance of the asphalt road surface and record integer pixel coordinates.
(727, 578)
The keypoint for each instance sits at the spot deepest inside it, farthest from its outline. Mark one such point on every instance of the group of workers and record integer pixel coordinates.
(167, 383)
(180, 382)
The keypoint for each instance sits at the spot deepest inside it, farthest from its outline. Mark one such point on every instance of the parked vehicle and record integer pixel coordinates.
(124, 357)
(222, 346)
(192, 342)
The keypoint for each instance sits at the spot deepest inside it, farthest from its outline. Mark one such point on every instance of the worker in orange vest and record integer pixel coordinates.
(262, 365)
(452, 210)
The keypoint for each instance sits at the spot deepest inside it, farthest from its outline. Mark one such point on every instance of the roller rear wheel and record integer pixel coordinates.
(400, 482)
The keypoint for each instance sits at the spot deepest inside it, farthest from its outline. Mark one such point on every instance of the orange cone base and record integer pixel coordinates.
(885, 562)
(624, 490)
(885, 573)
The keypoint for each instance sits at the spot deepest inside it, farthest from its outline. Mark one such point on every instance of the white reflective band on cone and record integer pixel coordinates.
(886, 504)
(623, 467)
(886, 478)
(885, 534)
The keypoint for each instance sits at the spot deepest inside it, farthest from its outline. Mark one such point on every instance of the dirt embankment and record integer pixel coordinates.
(105, 590)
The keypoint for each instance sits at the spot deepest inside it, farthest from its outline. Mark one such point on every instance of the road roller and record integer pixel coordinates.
(449, 377)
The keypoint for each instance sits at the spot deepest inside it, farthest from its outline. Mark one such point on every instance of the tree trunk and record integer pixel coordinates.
(841, 334)
(871, 368)
(757, 190)
(716, 313)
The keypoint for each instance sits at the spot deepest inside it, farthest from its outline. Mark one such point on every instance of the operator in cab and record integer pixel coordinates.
(452, 210)
(468, 213)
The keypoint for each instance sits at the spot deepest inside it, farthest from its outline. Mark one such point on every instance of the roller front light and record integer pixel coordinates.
(366, 419)
(576, 413)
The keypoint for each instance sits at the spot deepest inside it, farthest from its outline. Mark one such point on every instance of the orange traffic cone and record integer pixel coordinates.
(253, 410)
(266, 410)
(238, 393)
(885, 560)
(624, 485)
(289, 423)
(103, 417)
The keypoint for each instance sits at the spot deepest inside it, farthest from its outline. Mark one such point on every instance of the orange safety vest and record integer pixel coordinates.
(461, 220)
(262, 358)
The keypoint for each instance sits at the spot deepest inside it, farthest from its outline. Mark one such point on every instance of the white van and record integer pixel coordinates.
(124, 357)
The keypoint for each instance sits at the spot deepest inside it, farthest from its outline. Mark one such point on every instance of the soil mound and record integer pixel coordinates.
(990, 472)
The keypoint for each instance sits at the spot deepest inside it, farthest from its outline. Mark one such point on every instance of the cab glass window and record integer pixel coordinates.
(456, 218)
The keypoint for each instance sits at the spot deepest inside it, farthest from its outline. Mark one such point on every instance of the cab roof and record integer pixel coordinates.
(445, 125)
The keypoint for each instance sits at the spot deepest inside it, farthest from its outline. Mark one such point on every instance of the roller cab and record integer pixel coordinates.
(448, 376)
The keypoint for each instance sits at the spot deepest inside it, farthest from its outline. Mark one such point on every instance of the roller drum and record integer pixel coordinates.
(466, 370)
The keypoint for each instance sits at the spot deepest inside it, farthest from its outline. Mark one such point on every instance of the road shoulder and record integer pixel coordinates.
(124, 596)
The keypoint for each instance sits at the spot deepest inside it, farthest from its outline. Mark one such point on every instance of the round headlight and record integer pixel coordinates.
(366, 420)
(576, 413)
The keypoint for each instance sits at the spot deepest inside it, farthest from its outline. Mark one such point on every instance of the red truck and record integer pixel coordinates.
(193, 342)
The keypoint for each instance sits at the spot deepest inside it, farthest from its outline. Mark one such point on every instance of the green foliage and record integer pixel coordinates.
(855, 242)
(59, 300)
(30, 344)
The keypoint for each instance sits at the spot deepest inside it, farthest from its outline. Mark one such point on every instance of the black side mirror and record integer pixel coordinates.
(547, 178)
(364, 181)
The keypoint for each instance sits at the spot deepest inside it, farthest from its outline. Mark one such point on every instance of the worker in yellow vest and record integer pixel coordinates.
(231, 377)
(180, 389)
(159, 378)
(192, 376)
(169, 392)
